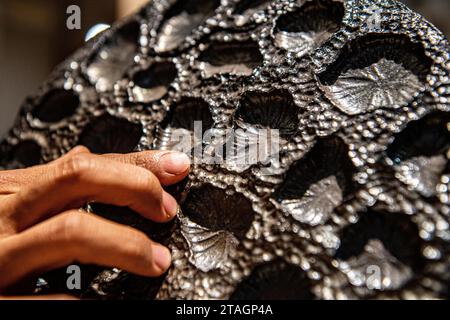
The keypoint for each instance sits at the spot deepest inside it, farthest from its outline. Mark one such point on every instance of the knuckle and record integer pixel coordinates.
(81, 149)
(137, 160)
(75, 166)
(72, 226)
(146, 159)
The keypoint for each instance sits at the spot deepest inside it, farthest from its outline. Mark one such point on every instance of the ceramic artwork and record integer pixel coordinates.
(356, 205)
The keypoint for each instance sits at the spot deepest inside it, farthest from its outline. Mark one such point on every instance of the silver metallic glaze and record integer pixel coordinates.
(364, 107)
(317, 204)
(376, 269)
(111, 64)
(208, 249)
(301, 42)
(175, 31)
(422, 174)
(384, 84)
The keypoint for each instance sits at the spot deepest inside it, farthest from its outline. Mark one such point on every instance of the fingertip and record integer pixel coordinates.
(162, 258)
(175, 163)
(78, 150)
(170, 205)
(168, 166)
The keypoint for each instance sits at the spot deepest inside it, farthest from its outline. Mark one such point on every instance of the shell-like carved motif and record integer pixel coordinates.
(110, 63)
(419, 153)
(387, 241)
(303, 30)
(328, 158)
(274, 110)
(189, 112)
(350, 201)
(384, 84)
(181, 20)
(262, 122)
(376, 71)
(248, 146)
(300, 42)
(153, 83)
(208, 250)
(175, 31)
(376, 269)
(219, 210)
(185, 125)
(237, 57)
(317, 204)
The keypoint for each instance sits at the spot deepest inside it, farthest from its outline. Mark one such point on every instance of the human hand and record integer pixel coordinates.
(42, 228)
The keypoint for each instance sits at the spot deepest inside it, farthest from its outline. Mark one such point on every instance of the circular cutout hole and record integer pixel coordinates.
(160, 74)
(56, 106)
(180, 20)
(188, 111)
(308, 27)
(108, 134)
(274, 110)
(398, 234)
(215, 209)
(376, 71)
(275, 280)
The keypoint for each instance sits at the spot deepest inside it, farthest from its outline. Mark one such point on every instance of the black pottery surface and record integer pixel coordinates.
(358, 206)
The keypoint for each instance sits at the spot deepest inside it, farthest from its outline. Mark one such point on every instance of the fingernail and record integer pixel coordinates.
(175, 163)
(170, 205)
(162, 257)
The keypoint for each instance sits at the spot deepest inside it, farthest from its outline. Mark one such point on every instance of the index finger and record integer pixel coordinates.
(169, 167)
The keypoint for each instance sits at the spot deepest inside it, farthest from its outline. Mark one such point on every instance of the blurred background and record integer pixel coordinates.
(34, 39)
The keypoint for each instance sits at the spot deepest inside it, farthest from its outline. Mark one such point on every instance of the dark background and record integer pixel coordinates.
(34, 39)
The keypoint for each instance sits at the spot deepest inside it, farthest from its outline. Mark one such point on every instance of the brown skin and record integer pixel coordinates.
(42, 228)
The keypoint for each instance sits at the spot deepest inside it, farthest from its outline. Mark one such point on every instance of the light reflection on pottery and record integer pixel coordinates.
(381, 85)
(422, 174)
(306, 29)
(317, 204)
(377, 269)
